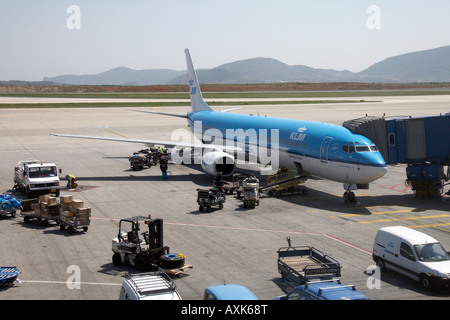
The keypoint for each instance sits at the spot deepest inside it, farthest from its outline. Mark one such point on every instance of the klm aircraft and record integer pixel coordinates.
(313, 149)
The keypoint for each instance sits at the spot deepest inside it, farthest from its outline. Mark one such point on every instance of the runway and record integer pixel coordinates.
(233, 245)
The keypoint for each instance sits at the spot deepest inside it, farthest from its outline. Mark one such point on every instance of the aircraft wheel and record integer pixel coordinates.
(349, 197)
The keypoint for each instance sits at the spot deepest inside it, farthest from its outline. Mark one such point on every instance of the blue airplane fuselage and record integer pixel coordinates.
(316, 148)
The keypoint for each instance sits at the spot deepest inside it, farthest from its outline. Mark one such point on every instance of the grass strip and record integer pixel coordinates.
(163, 104)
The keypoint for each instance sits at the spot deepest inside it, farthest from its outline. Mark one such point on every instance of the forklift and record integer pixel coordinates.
(143, 249)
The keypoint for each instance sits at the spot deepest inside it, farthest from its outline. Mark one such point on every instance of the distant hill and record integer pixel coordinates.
(422, 66)
(119, 76)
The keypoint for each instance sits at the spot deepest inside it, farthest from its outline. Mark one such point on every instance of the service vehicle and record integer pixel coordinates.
(228, 292)
(324, 290)
(251, 192)
(299, 265)
(35, 177)
(143, 249)
(413, 254)
(144, 157)
(149, 286)
(208, 198)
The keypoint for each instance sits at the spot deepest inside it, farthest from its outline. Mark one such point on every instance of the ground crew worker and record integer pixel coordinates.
(218, 181)
(71, 181)
(163, 165)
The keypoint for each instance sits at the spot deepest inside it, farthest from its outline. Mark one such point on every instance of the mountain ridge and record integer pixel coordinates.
(431, 65)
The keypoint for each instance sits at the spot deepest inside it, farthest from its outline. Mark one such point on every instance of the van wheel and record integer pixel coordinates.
(425, 282)
(381, 265)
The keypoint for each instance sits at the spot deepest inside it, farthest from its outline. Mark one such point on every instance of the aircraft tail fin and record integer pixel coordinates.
(197, 102)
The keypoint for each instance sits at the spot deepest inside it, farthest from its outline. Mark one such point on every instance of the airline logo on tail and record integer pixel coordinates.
(192, 88)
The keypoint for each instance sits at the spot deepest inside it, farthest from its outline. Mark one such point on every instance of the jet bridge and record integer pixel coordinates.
(422, 143)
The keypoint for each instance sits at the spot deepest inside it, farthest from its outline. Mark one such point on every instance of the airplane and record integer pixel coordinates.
(310, 148)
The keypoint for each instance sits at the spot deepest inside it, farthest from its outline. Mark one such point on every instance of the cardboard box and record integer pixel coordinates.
(84, 211)
(76, 204)
(35, 206)
(65, 215)
(66, 199)
(44, 205)
(83, 218)
(52, 201)
(66, 205)
(44, 198)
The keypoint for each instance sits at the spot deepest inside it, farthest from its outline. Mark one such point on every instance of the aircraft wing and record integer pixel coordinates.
(169, 144)
(163, 113)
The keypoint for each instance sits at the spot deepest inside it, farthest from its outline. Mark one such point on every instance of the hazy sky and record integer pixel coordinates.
(41, 38)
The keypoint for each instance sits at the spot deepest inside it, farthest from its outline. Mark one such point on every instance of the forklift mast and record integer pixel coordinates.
(155, 232)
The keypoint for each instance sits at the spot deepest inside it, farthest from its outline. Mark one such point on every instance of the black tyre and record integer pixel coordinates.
(425, 282)
(381, 265)
(142, 263)
(117, 261)
(171, 261)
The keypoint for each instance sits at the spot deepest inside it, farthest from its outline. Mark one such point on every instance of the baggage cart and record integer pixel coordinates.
(33, 209)
(8, 275)
(71, 221)
(8, 205)
(300, 265)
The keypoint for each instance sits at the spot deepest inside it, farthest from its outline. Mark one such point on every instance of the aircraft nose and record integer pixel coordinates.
(379, 168)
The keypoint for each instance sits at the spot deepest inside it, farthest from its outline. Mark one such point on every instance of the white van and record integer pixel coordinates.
(413, 254)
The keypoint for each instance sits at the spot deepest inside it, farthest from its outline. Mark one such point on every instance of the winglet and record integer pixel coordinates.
(197, 102)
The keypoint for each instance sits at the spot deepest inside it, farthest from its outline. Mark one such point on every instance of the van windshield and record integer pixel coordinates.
(431, 252)
(42, 172)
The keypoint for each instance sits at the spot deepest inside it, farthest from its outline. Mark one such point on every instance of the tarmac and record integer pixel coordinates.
(233, 245)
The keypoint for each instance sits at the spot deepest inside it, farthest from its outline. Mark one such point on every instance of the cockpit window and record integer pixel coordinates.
(362, 149)
(365, 148)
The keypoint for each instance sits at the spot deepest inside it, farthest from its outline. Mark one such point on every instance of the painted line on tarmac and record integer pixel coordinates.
(71, 283)
(256, 229)
(408, 218)
(275, 231)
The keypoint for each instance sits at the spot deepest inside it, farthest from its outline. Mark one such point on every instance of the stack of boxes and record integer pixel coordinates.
(73, 209)
(47, 206)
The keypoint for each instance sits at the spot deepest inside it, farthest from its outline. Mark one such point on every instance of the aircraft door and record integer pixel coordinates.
(324, 149)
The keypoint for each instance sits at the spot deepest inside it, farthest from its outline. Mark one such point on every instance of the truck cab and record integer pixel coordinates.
(412, 253)
(35, 177)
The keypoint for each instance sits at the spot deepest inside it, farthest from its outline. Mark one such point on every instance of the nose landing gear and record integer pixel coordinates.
(349, 197)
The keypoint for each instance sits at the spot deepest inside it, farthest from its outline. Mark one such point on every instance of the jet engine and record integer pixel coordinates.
(218, 161)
